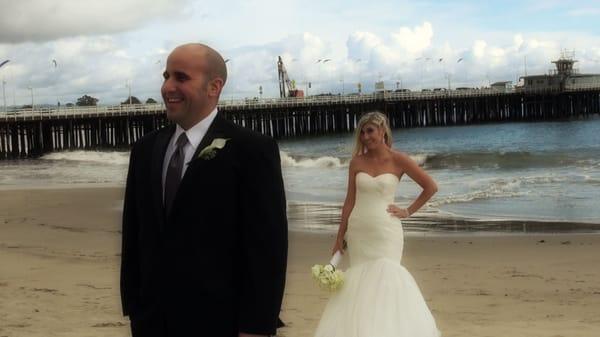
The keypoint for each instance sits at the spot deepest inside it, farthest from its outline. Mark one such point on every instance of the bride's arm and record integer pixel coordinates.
(347, 208)
(412, 169)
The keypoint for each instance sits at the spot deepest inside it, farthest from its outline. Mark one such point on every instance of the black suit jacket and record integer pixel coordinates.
(216, 264)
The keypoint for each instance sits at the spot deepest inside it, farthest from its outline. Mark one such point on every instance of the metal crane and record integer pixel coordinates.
(287, 87)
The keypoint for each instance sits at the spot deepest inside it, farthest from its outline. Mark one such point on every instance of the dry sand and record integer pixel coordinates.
(59, 269)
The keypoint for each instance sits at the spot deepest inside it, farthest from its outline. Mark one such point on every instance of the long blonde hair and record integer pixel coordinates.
(378, 119)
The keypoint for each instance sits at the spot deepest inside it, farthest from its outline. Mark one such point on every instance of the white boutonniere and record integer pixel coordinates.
(210, 151)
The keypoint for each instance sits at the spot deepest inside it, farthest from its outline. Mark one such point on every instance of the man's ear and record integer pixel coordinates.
(215, 86)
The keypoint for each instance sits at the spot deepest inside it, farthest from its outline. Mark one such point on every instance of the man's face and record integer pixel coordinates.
(185, 87)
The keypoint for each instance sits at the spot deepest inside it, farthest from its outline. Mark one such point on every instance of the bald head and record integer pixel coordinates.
(214, 64)
(193, 81)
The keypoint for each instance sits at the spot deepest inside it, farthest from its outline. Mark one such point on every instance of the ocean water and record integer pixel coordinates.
(531, 172)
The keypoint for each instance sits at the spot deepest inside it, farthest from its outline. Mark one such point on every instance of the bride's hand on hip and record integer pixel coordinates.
(398, 212)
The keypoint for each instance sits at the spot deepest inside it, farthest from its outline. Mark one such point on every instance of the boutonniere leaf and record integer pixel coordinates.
(210, 151)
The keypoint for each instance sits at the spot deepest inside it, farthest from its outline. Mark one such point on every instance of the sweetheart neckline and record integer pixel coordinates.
(379, 175)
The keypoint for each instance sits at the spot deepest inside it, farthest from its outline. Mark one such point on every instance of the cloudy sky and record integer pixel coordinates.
(103, 48)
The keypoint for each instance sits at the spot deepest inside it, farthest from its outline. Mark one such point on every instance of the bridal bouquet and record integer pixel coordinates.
(327, 276)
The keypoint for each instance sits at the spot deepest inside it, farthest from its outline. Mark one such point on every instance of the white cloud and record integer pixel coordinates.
(479, 49)
(85, 65)
(414, 40)
(42, 20)
(584, 12)
(361, 44)
(518, 41)
(100, 65)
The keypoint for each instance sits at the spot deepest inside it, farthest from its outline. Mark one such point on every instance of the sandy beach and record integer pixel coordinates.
(59, 270)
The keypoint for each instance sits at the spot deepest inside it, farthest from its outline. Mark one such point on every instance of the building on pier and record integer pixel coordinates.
(504, 86)
(564, 77)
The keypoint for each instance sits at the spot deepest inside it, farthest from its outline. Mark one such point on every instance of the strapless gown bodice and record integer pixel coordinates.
(373, 232)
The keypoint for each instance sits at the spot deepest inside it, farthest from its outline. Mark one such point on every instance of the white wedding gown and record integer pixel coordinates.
(379, 297)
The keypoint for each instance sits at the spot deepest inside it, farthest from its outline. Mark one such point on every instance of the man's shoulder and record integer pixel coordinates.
(147, 141)
(152, 135)
(247, 138)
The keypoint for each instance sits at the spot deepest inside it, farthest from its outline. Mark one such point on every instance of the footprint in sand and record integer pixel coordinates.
(45, 290)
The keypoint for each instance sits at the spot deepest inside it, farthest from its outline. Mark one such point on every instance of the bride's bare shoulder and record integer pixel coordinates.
(400, 156)
(404, 162)
(356, 160)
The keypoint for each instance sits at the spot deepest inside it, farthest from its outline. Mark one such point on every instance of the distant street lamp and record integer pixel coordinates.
(4, 93)
(319, 70)
(31, 89)
(423, 66)
(55, 74)
(4, 85)
(421, 72)
(357, 63)
(321, 62)
(128, 84)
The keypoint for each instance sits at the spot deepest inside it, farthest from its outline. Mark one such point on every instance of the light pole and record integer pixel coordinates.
(421, 71)
(445, 74)
(4, 93)
(55, 73)
(357, 64)
(321, 62)
(399, 84)
(319, 70)
(31, 89)
(448, 77)
(4, 85)
(128, 84)
(325, 61)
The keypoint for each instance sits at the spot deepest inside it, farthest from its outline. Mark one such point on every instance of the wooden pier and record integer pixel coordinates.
(28, 134)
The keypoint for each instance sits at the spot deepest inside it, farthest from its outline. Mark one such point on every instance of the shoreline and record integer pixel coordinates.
(317, 217)
(73, 186)
(325, 217)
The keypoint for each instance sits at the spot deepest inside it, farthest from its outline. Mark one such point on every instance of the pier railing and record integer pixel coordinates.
(270, 103)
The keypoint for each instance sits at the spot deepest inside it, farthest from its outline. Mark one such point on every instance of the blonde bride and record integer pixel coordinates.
(379, 298)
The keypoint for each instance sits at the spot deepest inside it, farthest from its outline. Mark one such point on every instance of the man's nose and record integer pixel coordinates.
(168, 85)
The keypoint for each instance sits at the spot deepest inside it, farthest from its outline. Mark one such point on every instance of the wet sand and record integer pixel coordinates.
(59, 258)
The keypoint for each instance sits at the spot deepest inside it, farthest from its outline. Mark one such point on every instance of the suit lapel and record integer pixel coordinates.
(158, 156)
(216, 130)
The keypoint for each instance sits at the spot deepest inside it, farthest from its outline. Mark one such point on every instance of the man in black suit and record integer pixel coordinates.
(204, 222)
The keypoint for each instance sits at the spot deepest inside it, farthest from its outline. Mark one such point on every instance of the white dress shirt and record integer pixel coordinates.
(194, 136)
